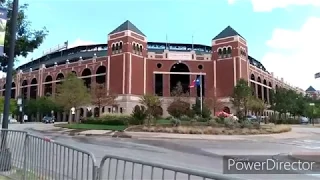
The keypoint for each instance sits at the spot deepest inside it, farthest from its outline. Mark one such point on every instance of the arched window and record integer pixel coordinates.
(220, 53)
(113, 48)
(224, 52)
(120, 47)
(137, 48)
(117, 47)
(229, 51)
(134, 47)
(141, 48)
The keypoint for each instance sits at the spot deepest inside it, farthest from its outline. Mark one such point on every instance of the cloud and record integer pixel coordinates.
(293, 54)
(80, 42)
(269, 5)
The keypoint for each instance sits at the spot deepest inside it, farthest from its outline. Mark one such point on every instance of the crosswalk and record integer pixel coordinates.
(306, 144)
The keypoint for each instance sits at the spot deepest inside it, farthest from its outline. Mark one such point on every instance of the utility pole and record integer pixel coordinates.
(5, 154)
(12, 41)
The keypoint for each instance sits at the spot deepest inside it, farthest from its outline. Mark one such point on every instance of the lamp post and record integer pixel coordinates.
(312, 112)
(20, 108)
(5, 154)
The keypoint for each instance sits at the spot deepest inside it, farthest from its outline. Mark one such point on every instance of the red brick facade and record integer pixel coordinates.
(129, 70)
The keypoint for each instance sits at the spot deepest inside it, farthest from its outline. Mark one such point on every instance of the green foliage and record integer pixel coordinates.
(288, 101)
(256, 105)
(206, 113)
(43, 105)
(240, 97)
(153, 105)
(139, 114)
(27, 39)
(179, 108)
(175, 122)
(114, 120)
(13, 105)
(72, 93)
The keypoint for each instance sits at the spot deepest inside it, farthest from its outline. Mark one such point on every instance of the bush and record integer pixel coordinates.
(158, 112)
(196, 108)
(178, 108)
(213, 123)
(230, 123)
(139, 114)
(185, 118)
(175, 122)
(246, 124)
(114, 120)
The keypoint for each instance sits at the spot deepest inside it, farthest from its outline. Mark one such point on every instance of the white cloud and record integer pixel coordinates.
(80, 42)
(269, 5)
(293, 54)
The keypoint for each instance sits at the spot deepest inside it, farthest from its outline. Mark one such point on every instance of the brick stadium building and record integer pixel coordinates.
(131, 66)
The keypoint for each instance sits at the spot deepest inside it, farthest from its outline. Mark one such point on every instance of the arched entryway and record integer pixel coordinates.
(81, 112)
(59, 79)
(24, 89)
(48, 86)
(13, 90)
(265, 91)
(176, 78)
(226, 110)
(253, 85)
(259, 88)
(96, 112)
(86, 76)
(33, 88)
(101, 75)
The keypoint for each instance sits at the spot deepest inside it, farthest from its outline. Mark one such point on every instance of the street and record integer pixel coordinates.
(194, 154)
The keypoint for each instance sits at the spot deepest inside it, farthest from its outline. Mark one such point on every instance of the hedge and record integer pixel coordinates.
(113, 120)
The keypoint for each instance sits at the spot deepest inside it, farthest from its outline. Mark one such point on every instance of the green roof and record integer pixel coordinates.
(127, 25)
(227, 32)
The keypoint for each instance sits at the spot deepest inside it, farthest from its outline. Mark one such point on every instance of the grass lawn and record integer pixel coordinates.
(91, 127)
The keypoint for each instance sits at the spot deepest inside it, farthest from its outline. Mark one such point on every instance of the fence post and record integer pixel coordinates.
(96, 173)
(25, 147)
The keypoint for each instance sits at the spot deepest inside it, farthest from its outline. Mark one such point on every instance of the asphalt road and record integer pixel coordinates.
(194, 154)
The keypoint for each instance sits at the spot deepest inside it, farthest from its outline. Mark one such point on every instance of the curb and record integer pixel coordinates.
(294, 158)
(114, 134)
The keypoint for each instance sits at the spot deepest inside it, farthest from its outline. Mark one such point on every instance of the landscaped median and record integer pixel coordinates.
(211, 126)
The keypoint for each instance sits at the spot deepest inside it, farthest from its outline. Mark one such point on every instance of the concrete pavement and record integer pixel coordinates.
(199, 154)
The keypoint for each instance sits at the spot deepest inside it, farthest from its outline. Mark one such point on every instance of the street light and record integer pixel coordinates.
(312, 105)
(20, 108)
(5, 154)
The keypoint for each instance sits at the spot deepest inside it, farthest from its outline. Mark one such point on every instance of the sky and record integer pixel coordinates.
(282, 34)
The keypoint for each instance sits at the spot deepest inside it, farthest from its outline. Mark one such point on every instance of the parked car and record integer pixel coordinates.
(47, 119)
(251, 118)
(12, 120)
(304, 120)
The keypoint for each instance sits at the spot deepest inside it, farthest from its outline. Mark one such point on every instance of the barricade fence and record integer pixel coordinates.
(27, 157)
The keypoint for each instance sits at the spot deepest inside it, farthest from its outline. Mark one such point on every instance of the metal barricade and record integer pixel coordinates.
(120, 168)
(12, 153)
(46, 159)
(28, 157)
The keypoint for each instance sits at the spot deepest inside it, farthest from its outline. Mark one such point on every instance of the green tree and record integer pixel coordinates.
(28, 39)
(205, 113)
(13, 105)
(72, 93)
(240, 97)
(152, 103)
(256, 105)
